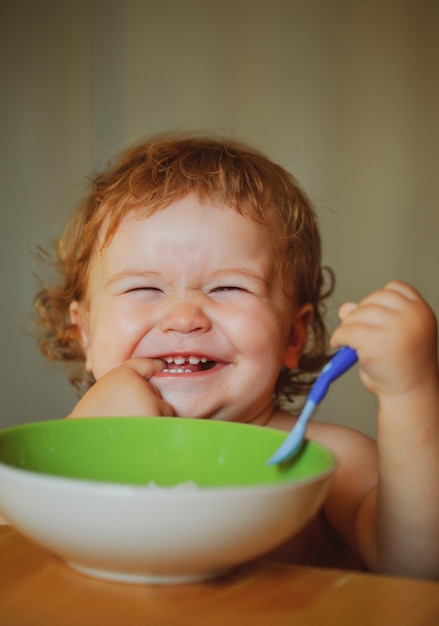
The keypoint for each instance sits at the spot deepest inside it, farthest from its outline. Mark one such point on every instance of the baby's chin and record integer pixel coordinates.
(220, 412)
(206, 396)
(196, 408)
(188, 410)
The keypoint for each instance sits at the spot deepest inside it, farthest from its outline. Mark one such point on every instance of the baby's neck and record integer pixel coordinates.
(281, 420)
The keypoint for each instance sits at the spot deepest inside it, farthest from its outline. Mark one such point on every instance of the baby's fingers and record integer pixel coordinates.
(345, 309)
(146, 368)
(403, 289)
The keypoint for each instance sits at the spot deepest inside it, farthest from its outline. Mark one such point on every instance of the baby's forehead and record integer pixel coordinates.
(192, 239)
(115, 218)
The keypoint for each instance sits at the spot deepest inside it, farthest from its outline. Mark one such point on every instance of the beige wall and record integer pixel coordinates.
(343, 93)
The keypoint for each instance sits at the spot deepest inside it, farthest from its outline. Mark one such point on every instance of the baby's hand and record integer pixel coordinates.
(125, 391)
(395, 334)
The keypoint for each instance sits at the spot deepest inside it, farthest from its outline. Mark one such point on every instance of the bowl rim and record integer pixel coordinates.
(127, 489)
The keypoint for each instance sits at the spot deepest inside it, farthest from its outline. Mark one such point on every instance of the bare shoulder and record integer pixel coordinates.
(345, 442)
(355, 479)
(356, 475)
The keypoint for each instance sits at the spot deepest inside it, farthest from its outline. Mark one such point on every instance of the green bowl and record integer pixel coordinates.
(157, 499)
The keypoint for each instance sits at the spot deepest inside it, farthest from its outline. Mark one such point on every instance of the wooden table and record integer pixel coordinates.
(38, 589)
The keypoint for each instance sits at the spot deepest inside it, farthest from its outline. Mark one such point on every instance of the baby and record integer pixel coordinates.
(191, 285)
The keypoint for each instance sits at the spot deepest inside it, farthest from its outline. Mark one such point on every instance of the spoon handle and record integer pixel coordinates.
(339, 363)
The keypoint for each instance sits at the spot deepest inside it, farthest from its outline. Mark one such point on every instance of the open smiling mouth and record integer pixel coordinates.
(187, 365)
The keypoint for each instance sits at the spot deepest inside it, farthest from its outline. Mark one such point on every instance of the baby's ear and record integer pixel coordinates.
(298, 336)
(79, 319)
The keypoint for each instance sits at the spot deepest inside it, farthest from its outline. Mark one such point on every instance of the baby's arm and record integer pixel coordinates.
(125, 391)
(395, 334)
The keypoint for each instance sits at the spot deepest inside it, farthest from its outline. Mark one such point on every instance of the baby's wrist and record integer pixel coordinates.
(415, 404)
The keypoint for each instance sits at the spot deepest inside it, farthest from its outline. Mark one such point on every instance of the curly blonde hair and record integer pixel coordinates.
(150, 176)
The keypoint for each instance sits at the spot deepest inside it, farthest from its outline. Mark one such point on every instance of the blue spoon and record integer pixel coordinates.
(340, 362)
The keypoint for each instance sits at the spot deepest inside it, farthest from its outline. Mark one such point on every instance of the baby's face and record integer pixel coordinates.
(194, 285)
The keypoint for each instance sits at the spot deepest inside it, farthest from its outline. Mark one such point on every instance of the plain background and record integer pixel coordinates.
(343, 93)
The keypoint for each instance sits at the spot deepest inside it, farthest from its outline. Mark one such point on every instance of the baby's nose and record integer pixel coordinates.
(185, 316)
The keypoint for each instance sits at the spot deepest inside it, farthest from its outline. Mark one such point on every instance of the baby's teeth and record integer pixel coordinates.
(181, 360)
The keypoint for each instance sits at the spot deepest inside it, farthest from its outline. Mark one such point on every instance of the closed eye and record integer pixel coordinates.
(229, 288)
(145, 294)
(229, 293)
(143, 289)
